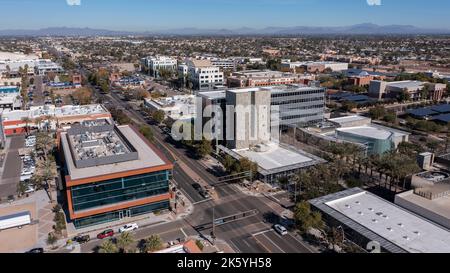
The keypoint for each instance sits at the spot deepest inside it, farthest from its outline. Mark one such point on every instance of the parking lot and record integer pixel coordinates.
(15, 239)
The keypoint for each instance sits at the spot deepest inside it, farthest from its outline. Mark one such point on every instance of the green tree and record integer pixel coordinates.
(152, 244)
(228, 162)
(305, 219)
(147, 132)
(21, 188)
(108, 247)
(158, 116)
(124, 241)
(377, 112)
(45, 143)
(404, 96)
(52, 239)
(204, 148)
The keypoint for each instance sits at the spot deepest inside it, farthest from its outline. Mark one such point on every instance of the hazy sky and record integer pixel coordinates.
(139, 15)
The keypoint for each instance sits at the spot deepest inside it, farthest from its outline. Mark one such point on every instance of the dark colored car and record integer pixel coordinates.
(36, 250)
(105, 234)
(197, 186)
(82, 239)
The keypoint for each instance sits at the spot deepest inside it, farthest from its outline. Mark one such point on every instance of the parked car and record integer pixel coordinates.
(128, 227)
(82, 239)
(25, 177)
(280, 229)
(30, 189)
(36, 250)
(105, 234)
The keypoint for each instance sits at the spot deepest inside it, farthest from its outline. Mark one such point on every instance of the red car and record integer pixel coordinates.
(105, 234)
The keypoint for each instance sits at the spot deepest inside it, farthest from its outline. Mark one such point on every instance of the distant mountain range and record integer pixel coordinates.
(360, 29)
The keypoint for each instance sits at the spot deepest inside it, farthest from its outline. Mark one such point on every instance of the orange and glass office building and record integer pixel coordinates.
(112, 173)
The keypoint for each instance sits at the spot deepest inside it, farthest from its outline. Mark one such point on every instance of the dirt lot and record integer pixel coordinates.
(19, 240)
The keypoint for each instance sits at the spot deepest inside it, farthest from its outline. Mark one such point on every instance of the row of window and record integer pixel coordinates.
(120, 183)
(209, 71)
(126, 195)
(297, 101)
(207, 77)
(119, 214)
(298, 116)
(207, 81)
(298, 93)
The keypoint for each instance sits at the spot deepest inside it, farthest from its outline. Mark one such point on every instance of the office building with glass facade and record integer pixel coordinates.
(112, 173)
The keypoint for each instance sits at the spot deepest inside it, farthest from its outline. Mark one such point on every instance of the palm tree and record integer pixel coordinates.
(38, 122)
(27, 121)
(124, 241)
(48, 119)
(152, 244)
(48, 174)
(107, 247)
(45, 143)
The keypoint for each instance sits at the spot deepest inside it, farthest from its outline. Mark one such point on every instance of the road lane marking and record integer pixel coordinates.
(270, 240)
(202, 201)
(184, 233)
(262, 245)
(261, 232)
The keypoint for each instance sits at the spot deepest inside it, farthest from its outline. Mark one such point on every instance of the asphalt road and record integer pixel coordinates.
(38, 94)
(12, 168)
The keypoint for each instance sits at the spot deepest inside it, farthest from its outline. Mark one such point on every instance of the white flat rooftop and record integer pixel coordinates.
(147, 158)
(406, 84)
(367, 131)
(275, 157)
(348, 119)
(399, 226)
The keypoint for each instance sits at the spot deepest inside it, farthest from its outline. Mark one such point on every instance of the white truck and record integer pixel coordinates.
(15, 220)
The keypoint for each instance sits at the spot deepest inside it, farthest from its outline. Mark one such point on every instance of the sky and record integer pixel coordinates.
(143, 15)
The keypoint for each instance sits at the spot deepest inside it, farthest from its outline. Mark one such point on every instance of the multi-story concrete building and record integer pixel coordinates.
(17, 122)
(156, 64)
(204, 75)
(225, 64)
(313, 67)
(10, 64)
(257, 78)
(251, 117)
(382, 89)
(175, 108)
(298, 105)
(112, 173)
(43, 67)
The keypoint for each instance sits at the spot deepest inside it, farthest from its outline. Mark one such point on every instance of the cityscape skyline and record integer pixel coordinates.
(159, 15)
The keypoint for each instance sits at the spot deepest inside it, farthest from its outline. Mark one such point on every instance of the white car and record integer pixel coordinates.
(30, 189)
(26, 172)
(25, 177)
(280, 230)
(128, 227)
